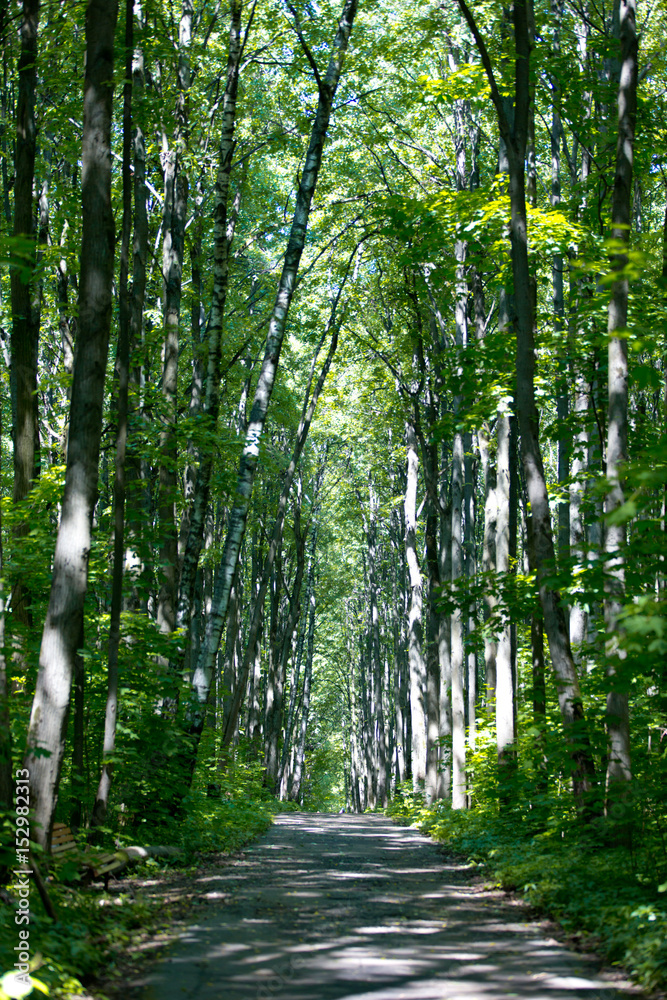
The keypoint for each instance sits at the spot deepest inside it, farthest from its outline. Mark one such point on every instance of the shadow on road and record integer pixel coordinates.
(328, 907)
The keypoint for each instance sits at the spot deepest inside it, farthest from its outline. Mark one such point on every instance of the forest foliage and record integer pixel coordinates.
(373, 494)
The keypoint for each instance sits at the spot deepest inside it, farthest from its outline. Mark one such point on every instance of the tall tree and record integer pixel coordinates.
(619, 769)
(327, 85)
(62, 629)
(515, 137)
(123, 380)
(223, 234)
(176, 190)
(25, 320)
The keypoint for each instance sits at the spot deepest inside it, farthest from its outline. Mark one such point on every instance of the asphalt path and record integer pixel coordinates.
(326, 907)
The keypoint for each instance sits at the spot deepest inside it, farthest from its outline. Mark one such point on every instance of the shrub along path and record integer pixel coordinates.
(338, 906)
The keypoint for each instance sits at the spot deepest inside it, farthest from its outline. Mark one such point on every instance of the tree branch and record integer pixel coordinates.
(503, 123)
(304, 45)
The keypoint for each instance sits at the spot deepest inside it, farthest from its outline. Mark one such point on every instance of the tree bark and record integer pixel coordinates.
(415, 636)
(619, 768)
(25, 322)
(60, 638)
(122, 374)
(173, 231)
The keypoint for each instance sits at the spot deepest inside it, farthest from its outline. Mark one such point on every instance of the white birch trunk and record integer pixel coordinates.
(415, 641)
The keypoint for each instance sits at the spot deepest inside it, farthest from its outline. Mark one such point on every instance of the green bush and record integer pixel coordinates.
(564, 870)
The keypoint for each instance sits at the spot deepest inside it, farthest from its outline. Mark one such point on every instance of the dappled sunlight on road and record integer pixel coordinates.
(354, 908)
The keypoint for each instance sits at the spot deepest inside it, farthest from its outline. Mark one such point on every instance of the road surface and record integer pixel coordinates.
(346, 907)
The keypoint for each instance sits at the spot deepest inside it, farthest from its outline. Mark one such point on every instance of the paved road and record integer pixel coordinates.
(329, 907)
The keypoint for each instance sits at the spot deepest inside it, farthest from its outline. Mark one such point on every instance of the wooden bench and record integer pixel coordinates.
(94, 864)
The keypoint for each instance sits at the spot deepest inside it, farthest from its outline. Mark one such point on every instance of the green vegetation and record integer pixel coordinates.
(608, 898)
(97, 927)
(348, 467)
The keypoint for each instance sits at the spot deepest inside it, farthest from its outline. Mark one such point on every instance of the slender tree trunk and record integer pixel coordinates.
(376, 665)
(222, 241)
(619, 768)
(435, 626)
(459, 797)
(558, 302)
(415, 640)
(569, 694)
(201, 681)
(355, 768)
(25, 322)
(296, 790)
(254, 628)
(275, 719)
(136, 518)
(122, 374)
(579, 290)
(283, 776)
(470, 572)
(578, 613)
(489, 563)
(504, 697)
(398, 574)
(173, 232)
(60, 638)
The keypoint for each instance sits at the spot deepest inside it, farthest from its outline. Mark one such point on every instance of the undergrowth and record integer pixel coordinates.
(612, 897)
(95, 926)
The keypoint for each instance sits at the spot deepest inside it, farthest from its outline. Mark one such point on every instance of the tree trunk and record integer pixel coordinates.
(415, 640)
(504, 696)
(275, 718)
(489, 563)
(6, 773)
(307, 415)
(283, 777)
(470, 572)
(435, 626)
(136, 514)
(122, 373)
(78, 774)
(569, 695)
(173, 232)
(558, 302)
(459, 797)
(296, 791)
(48, 720)
(619, 768)
(222, 241)
(25, 323)
(376, 664)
